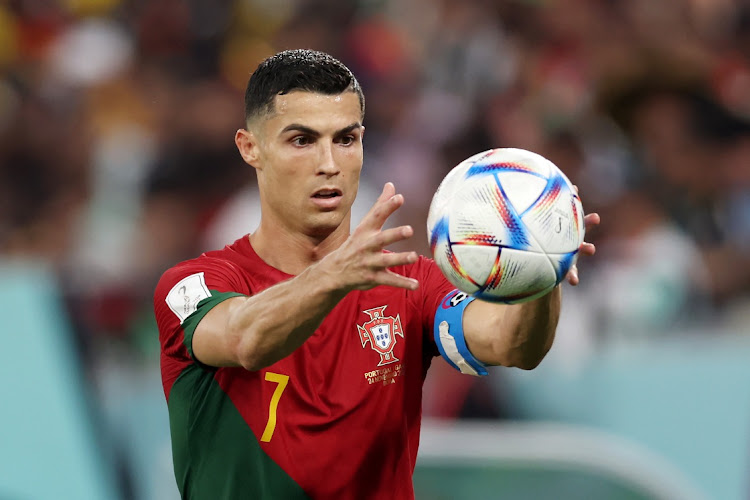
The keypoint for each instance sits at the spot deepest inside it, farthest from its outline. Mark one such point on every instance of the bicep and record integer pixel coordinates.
(213, 342)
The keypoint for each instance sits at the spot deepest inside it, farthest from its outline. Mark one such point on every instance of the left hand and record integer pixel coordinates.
(590, 221)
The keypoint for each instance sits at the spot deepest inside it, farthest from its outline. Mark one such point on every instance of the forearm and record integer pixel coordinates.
(536, 322)
(517, 335)
(272, 324)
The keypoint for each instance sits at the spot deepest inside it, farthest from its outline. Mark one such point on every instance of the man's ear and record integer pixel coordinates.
(247, 145)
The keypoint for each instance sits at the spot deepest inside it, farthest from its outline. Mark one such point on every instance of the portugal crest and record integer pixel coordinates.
(381, 333)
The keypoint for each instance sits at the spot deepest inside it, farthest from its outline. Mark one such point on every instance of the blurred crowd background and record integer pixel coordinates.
(117, 157)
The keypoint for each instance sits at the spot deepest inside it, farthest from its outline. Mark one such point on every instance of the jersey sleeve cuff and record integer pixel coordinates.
(191, 322)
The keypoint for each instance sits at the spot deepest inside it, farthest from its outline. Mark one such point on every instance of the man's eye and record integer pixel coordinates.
(347, 140)
(301, 140)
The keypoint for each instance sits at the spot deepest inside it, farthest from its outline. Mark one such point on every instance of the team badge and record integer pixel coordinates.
(381, 333)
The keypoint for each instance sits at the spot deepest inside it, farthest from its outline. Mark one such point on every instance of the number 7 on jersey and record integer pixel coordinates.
(282, 381)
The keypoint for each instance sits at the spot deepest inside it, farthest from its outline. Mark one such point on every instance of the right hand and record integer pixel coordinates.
(360, 263)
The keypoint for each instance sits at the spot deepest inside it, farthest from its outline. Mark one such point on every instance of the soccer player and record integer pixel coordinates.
(293, 359)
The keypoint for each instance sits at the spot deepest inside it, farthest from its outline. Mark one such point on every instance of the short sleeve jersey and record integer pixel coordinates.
(337, 418)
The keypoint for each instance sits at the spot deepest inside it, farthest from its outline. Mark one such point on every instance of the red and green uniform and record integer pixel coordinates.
(338, 418)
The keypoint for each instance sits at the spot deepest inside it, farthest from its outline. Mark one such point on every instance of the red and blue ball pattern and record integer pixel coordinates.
(475, 211)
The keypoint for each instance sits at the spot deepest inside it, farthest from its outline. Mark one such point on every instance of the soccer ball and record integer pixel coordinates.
(505, 225)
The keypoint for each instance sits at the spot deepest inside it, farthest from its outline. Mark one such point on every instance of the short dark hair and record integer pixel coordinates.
(298, 69)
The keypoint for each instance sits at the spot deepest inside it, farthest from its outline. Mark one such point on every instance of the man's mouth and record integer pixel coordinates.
(327, 193)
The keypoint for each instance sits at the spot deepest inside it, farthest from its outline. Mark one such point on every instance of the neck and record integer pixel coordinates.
(292, 252)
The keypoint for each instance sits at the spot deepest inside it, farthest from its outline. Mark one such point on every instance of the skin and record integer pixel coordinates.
(310, 142)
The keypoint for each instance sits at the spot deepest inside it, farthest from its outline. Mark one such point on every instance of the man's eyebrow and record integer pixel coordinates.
(300, 128)
(351, 128)
(314, 133)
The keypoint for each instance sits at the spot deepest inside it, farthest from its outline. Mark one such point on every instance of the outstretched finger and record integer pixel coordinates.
(389, 278)
(387, 237)
(572, 275)
(591, 220)
(587, 249)
(388, 190)
(386, 260)
(380, 211)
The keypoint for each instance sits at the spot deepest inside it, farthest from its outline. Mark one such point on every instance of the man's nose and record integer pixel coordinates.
(326, 163)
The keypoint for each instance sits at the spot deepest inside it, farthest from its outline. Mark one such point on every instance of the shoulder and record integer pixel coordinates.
(188, 284)
(208, 263)
(210, 271)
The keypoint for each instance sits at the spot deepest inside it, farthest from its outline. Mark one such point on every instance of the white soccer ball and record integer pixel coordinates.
(505, 225)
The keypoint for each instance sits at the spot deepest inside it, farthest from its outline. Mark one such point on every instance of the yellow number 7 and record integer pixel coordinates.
(282, 380)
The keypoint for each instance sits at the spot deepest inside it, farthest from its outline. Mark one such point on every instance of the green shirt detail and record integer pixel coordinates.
(205, 425)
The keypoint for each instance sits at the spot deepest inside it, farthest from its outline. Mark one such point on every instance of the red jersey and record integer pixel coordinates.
(337, 418)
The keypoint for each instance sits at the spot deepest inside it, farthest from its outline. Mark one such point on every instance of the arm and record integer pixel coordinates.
(255, 332)
(518, 335)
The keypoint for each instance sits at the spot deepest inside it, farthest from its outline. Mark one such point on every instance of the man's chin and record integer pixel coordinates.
(325, 224)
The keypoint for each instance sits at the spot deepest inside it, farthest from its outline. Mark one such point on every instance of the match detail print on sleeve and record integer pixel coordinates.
(184, 297)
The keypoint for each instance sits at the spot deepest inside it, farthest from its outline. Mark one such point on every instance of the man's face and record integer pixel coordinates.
(309, 157)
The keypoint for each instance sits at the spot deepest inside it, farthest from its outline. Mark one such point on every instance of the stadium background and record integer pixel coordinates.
(117, 160)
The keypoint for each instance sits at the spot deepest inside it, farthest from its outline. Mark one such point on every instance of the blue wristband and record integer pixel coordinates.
(449, 334)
